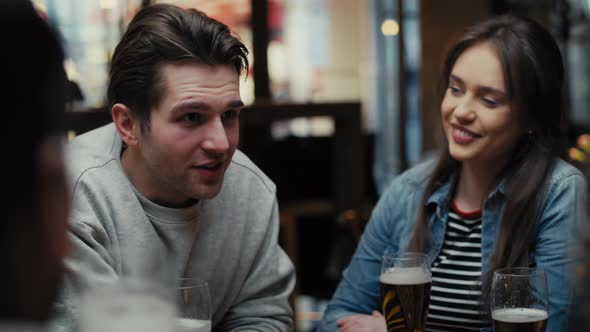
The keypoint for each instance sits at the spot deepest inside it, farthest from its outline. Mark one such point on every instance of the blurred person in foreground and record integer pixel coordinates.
(34, 193)
(498, 196)
(165, 176)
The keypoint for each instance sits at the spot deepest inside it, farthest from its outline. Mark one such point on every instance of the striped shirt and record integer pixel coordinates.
(455, 299)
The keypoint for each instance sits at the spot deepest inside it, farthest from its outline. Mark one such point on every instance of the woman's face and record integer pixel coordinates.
(481, 127)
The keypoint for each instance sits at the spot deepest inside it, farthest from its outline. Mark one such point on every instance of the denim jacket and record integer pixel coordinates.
(392, 223)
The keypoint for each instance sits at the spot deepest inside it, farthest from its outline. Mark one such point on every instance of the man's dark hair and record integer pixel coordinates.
(161, 34)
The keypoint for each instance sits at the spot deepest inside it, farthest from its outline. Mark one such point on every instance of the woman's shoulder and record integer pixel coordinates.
(417, 176)
(563, 171)
(566, 187)
(411, 182)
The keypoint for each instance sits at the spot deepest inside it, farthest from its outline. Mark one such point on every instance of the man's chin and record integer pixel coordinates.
(207, 191)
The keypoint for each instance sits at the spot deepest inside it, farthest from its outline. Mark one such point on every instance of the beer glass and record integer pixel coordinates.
(405, 291)
(128, 305)
(519, 300)
(194, 306)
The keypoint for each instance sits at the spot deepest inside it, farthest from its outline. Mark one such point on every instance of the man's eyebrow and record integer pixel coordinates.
(188, 104)
(201, 106)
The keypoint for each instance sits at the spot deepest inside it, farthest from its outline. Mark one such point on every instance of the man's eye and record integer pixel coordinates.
(191, 117)
(231, 114)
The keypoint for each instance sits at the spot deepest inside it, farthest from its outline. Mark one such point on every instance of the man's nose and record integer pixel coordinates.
(216, 139)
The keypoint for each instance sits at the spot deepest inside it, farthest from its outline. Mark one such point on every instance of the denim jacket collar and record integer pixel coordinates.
(442, 194)
(441, 199)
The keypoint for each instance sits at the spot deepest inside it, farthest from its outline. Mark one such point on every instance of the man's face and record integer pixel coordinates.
(193, 134)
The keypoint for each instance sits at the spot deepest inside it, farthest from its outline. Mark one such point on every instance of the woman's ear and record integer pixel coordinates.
(127, 126)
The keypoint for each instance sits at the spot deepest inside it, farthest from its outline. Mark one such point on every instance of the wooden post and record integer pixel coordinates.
(260, 36)
(402, 89)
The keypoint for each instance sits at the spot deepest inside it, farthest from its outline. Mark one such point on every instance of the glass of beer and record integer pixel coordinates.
(405, 291)
(128, 305)
(194, 306)
(519, 300)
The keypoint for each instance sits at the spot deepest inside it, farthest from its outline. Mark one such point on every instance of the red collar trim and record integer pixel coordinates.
(465, 214)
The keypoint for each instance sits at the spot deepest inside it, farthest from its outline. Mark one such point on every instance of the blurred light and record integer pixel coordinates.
(108, 4)
(40, 6)
(300, 127)
(322, 126)
(314, 126)
(71, 135)
(389, 27)
(576, 155)
(96, 55)
(583, 142)
(71, 70)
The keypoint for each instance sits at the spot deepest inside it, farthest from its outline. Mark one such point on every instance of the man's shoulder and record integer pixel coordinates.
(95, 141)
(243, 172)
(91, 150)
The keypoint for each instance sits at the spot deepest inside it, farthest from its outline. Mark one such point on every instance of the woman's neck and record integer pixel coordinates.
(474, 183)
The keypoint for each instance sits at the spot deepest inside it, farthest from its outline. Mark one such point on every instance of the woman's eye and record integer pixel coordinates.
(489, 102)
(454, 89)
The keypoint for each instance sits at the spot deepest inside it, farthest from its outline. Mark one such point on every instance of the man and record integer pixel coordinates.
(34, 193)
(166, 176)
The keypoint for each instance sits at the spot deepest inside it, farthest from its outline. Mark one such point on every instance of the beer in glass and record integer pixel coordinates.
(519, 300)
(405, 291)
(194, 304)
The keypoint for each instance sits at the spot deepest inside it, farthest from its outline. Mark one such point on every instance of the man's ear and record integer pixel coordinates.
(127, 126)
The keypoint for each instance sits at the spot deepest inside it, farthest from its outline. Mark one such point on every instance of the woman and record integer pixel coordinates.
(499, 196)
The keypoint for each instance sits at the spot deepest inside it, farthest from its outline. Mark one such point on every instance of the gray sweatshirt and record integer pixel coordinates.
(230, 240)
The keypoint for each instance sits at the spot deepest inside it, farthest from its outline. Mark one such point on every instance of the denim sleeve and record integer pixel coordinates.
(358, 291)
(561, 221)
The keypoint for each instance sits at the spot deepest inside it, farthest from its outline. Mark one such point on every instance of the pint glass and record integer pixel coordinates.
(127, 305)
(519, 300)
(405, 291)
(194, 305)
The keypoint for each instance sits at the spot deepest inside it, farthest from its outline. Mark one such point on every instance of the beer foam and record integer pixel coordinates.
(405, 276)
(193, 325)
(519, 315)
